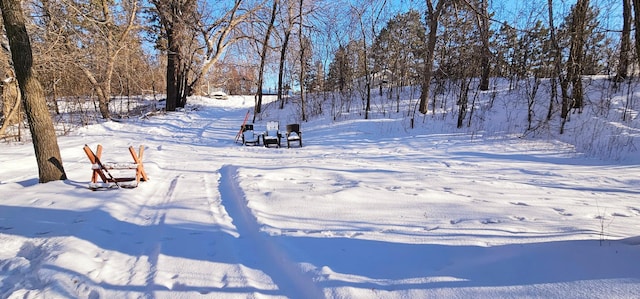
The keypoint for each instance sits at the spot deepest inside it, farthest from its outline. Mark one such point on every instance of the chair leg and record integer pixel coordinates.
(93, 158)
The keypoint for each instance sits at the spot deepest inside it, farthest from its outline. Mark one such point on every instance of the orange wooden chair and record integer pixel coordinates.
(101, 170)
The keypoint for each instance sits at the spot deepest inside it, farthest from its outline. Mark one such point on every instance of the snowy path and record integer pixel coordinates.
(227, 253)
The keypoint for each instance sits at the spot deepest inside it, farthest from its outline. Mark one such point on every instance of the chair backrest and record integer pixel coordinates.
(293, 128)
(247, 127)
(273, 126)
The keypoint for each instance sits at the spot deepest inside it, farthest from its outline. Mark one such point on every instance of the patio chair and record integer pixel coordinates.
(272, 135)
(293, 134)
(249, 137)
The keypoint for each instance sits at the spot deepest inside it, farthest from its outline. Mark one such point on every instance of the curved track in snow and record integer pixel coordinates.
(265, 253)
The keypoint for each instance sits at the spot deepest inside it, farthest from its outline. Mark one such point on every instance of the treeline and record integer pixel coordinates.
(464, 40)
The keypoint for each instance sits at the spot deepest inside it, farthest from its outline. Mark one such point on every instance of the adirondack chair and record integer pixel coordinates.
(293, 134)
(249, 137)
(101, 169)
(272, 135)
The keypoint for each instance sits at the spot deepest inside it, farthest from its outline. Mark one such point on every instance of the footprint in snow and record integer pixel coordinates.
(456, 221)
(490, 221)
(562, 212)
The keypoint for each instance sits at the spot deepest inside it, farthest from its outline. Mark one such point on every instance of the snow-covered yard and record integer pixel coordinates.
(366, 209)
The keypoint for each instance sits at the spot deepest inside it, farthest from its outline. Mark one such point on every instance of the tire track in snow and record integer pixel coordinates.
(153, 242)
(260, 251)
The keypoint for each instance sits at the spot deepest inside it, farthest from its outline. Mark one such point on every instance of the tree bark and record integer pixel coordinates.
(41, 127)
(172, 71)
(283, 54)
(636, 22)
(564, 82)
(485, 55)
(302, 64)
(283, 51)
(263, 58)
(11, 104)
(433, 14)
(576, 52)
(625, 42)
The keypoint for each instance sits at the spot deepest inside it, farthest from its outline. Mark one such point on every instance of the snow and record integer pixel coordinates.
(365, 209)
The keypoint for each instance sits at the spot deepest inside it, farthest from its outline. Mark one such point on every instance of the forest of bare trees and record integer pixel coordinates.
(100, 49)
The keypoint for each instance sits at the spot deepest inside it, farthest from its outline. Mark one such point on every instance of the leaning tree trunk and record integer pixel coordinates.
(103, 100)
(43, 133)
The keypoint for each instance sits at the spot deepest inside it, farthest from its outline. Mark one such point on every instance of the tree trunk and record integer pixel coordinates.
(485, 55)
(263, 57)
(10, 101)
(302, 65)
(432, 23)
(173, 66)
(636, 22)
(625, 42)
(183, 83)
(367, 75)
(283, 54)
(103, 100)
(41, 127)
(564, 85)
(11, 104)
(576, 52)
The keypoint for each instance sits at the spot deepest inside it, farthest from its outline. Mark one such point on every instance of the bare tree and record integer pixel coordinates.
(557, 53)
(369, 11)
(359, 14)
(94, 34)
(41, 127)
(433, 14)
(485, 55)
(288, 26)
(575, 65)
(263, 58)
(220, 33)
(304, 51)
(177, 18)
(195, 41)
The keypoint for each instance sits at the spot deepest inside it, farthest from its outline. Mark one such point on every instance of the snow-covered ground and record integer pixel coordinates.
(366, 209)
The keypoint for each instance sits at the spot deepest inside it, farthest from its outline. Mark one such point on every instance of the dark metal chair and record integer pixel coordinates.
(293, 134)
